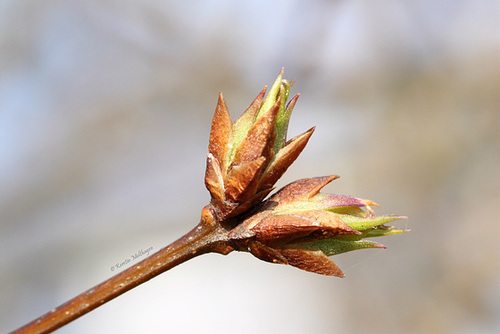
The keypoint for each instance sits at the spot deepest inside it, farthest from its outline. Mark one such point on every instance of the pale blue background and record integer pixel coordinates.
(105, 109)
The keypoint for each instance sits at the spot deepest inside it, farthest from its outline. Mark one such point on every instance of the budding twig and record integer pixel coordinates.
(297, 225)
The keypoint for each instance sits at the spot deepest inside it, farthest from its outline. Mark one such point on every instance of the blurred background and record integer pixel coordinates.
(105, 111)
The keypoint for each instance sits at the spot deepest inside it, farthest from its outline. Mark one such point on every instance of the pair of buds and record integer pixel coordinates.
(298, 225)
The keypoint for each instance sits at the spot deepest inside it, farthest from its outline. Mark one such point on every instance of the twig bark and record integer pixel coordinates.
(202, 239)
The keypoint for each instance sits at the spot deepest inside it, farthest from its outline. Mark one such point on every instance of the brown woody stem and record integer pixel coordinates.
(202, 239)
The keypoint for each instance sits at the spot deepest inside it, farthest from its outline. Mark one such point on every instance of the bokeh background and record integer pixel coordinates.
(105, 111)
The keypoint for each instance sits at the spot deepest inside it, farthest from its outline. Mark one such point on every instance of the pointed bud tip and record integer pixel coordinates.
(263, 91)
(291, 104)
(330, 178)
(369, 202)
(396, 217)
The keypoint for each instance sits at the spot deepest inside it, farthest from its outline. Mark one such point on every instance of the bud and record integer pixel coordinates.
(247, 157)
(302, 227)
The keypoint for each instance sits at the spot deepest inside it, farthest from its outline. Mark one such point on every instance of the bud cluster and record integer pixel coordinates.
(298, 225)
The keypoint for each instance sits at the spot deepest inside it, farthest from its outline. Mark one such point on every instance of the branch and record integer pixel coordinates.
(201, 240)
